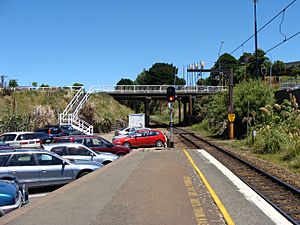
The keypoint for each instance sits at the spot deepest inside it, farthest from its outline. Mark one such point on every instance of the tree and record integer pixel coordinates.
(34, 84)
(125, 82)
(44, 85)
(158, 74)
(225, 62)
(279, 68)
(13, 83)
(251, 65)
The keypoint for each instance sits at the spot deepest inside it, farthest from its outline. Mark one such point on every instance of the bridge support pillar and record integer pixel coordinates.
(179, 110)
(184, 111)
(147, 112)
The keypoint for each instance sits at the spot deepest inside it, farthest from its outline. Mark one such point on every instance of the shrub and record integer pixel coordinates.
(270, 140)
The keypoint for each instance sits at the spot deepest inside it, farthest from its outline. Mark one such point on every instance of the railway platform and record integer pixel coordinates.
(151, 187)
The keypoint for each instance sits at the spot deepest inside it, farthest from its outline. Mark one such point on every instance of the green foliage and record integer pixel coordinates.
(13, 83)
(103, 111)
(270, 140)
(158, 74)
(16, 122)
(125, 82)
(255, 92)
(279, 68)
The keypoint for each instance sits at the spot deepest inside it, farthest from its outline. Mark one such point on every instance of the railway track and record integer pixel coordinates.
(282, 196)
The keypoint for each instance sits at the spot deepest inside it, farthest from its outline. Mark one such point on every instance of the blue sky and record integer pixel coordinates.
(94, 42)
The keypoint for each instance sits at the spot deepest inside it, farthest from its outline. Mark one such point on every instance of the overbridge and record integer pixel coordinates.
(184, 95)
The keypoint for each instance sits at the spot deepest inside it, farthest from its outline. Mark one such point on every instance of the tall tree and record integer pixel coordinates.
(279, 68)
(158, 74)
(13, 83)
(125, 81)
(225, 62)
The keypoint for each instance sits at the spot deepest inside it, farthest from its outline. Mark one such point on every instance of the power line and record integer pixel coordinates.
(280, 43)
(282, 11)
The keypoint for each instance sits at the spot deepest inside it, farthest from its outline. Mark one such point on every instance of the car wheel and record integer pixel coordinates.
(127, 144)
(159, 143)
(82, 174)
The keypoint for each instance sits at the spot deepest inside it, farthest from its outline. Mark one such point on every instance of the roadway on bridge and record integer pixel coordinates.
(146, 187)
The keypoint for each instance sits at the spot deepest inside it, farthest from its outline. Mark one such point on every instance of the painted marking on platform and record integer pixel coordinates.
(197, 207)
(216, 199)
(247, 192)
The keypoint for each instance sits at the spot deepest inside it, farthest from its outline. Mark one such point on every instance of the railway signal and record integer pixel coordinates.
(171, 94)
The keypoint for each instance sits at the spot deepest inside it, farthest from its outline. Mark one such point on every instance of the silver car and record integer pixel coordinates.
(77, 151)
(38, 168)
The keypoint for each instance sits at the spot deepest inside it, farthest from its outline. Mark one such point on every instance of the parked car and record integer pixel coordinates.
(4, 146)
(21, 139)
(143, 139)
(95, 143)
(12, 194)
(77, 151)
(69, 130)
(51, 130)
(59, 130)
(44, 137)
(38, 168)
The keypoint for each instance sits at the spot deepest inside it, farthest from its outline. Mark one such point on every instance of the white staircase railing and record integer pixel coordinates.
(70, 115)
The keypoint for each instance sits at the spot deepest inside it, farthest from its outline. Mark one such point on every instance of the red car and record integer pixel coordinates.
(143, 139)
(95, 143)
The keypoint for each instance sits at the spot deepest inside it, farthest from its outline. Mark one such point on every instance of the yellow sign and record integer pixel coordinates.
(231, 117)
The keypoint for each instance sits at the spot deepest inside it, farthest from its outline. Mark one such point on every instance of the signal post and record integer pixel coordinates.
(171, 99)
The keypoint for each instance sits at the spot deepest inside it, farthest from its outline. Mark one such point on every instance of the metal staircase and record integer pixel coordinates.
(70, 115)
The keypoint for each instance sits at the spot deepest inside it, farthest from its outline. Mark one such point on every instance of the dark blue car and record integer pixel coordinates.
(12, 194)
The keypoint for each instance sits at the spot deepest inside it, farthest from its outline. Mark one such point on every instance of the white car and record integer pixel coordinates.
(21, 139)
(77, 151)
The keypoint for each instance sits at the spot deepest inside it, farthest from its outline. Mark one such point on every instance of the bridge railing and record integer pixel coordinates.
(155, 88)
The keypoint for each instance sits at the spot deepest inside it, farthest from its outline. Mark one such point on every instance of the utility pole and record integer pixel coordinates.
(219, 60)
(2, 80)
(255, 37)
(231, 115)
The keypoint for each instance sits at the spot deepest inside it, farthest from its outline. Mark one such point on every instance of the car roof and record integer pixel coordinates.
(19, 132)
(79, 136)
(68, 144)
(23, 151)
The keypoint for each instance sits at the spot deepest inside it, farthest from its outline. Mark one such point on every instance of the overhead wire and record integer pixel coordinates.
(285, 40)
(282, 11)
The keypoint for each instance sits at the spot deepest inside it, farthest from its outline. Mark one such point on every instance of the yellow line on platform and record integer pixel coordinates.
(216, 199)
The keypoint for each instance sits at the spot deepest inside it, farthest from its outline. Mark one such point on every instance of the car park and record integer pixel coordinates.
(77, 151)
(12, 194)
(146, 138)
(39, 168)
(21, 139)
(95, 143)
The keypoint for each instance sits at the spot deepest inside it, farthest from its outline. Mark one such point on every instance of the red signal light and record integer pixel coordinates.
(171, 98)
